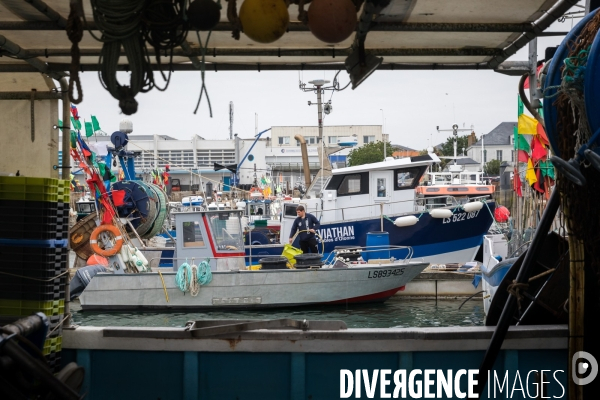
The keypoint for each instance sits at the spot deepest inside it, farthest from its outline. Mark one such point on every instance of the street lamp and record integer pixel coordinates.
(383, 134)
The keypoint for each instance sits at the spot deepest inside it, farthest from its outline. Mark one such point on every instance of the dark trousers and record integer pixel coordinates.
(310, 244)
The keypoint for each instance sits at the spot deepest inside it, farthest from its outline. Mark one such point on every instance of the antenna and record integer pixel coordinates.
(230, 120)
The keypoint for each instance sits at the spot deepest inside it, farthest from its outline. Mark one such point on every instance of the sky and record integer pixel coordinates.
(409, 104)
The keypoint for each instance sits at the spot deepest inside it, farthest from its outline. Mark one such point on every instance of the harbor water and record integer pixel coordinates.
(396, 312)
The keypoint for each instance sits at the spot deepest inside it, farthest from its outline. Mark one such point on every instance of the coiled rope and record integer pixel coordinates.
(120, 24)
(190, 277)
(166, 29)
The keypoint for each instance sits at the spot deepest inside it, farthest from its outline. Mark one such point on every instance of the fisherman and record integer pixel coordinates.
(305, 224)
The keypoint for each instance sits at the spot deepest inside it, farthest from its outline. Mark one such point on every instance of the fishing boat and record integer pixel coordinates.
(381, 196)
(214, 240)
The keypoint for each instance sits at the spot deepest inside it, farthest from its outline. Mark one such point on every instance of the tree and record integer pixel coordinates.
(369, 153)
(447, 149)
(462, 142)
(492, 168)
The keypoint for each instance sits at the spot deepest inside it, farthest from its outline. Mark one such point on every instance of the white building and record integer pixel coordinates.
(498, 144)
(278, 157)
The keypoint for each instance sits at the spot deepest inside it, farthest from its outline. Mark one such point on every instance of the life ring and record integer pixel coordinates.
(109, 229)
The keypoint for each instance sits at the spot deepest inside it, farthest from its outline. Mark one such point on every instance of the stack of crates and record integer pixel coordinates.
(34, 254)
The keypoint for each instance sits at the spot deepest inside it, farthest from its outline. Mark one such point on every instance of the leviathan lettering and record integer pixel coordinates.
(338, 234)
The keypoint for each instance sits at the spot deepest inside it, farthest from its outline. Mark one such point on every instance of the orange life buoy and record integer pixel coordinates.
(106, 252)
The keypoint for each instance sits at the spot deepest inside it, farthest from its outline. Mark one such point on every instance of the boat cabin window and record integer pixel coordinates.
(407, 178)
(192, 234)
(350, 185)
(289, 210)
(227, 231)
(381, 185)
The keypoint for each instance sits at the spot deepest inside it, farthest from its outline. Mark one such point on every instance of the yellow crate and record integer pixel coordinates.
(23, 308)
(28, 181)
(53, 345)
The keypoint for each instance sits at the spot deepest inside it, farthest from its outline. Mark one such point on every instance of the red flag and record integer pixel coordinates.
(517, 183)
(523, 156)
(542, 135)
(539, 185)
(538, 151)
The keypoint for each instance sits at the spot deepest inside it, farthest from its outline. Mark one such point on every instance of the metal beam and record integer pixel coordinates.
(218, 67)
(296, 26)
(539, 26)
(19, 52)
(211, 53)
(27, 96)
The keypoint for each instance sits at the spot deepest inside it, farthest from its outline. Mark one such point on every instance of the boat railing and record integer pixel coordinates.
(379, 252)
(421, 204)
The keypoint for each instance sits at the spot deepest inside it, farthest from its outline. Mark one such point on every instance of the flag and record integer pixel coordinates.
(517, 183)
(523, 144)
(527, 125)
(95, 124)
(75, 124)
(547, 169)
(523, 156)
(539, 184)
(74, 112)
(538, 151)
(541, 134)
(519, 105)
(89, 131)
(530, 174)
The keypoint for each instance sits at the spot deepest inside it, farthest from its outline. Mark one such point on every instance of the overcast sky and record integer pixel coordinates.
(413, 102)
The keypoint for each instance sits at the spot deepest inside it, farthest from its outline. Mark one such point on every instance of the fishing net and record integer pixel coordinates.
(578, 202)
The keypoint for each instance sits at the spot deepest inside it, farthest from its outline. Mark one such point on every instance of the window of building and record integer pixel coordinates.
(499, 155)
(512, 156)
(368, 139)
(311, 140)
(350, 185)
(332, 140)
(485, 156)
(284, 140)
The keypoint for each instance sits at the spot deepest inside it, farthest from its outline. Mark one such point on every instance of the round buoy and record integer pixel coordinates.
(95, 259)
(501, 214)
(204, 15)
(332, 21)
(264, 21)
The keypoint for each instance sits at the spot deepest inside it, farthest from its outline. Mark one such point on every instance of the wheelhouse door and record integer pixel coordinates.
(381, 187)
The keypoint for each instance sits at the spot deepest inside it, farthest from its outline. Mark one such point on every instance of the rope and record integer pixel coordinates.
(204, 273)
(189, 278)
(74, 30)
(515, 289)
(121, 25)
(232, 16)
(202, 70)
(165, 29)
(194, 286)
(163, 285)
(182, 278)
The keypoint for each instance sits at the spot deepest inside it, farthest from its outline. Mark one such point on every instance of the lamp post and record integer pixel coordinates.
(383, 134)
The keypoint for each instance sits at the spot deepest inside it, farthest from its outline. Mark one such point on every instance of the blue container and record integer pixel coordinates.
(378, 246)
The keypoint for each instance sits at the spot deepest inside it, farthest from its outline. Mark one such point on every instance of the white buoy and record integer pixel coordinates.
(408, 220)
(440, 213)
(474, 206)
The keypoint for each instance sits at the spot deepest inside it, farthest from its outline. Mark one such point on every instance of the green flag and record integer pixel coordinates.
(89, 131)
(95, 123)
(523, 144)
(73, 139)
(515, 135)
(75, 124)
(519, 106)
